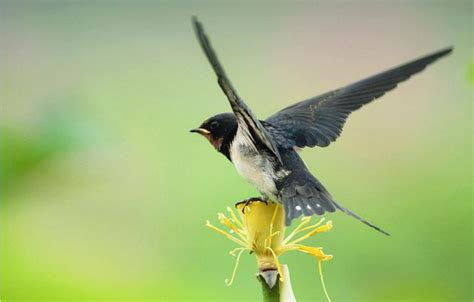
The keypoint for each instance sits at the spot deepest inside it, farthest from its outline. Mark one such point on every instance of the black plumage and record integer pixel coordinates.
(319, 120)
(241, 110)
(264, 152)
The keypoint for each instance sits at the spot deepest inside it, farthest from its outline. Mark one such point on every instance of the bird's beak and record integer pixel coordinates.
(201, 131)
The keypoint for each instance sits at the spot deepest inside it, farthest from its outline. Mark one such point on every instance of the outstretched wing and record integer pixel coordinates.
(244, 115)
(319, 121)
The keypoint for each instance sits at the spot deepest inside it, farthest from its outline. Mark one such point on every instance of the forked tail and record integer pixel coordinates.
(348, 212)
(311, 198)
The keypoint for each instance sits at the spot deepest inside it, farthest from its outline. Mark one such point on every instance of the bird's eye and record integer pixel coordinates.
(214, 125)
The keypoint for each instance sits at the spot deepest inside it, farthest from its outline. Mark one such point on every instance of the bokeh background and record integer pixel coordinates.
(104, 193)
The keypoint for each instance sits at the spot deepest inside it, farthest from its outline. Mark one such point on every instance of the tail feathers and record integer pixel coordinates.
(312, 202)
(312, 199)
(348, 212)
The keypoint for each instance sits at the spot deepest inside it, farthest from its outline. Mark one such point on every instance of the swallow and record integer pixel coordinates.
(265, 152)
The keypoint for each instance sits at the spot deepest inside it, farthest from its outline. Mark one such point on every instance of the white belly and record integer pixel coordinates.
(252, 166)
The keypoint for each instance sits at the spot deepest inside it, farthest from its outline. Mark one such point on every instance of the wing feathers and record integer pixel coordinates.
(319, 120)
(243, 113)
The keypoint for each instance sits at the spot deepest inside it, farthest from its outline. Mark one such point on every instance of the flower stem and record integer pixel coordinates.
(270, 294)
(274, 291)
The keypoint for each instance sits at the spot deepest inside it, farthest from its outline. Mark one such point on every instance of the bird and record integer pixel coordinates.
(265, 152)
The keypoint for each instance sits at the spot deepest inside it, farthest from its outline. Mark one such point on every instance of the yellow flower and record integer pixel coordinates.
(260, 229)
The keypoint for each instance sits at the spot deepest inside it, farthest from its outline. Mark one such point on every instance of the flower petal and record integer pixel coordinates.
(315, 251)
(229, 236)
(321, 229)
(237, 261)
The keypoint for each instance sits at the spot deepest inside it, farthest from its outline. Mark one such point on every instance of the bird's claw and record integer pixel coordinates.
(248, 201)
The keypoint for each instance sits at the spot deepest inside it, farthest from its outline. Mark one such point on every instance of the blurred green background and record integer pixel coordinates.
(104, 193)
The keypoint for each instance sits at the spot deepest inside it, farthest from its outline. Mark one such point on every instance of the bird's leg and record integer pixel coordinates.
(264, 199)
(250, 200)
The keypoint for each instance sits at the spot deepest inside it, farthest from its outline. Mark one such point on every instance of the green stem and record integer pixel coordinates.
(273, 290)
(269, 294)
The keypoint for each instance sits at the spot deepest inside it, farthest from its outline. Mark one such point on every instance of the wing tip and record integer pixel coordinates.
(443, 52)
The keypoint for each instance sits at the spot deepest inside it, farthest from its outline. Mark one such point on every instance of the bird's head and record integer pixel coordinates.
(219, 130)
